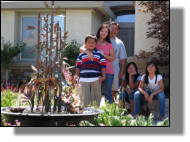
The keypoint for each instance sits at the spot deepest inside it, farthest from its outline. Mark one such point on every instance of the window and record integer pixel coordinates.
(126, 18)
(29, 35)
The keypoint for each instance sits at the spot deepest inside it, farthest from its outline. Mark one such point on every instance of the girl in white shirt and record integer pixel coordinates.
(154, 89)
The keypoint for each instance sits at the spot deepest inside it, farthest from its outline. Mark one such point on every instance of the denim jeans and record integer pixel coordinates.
(125, 97)
(139, 99)
(107, 87)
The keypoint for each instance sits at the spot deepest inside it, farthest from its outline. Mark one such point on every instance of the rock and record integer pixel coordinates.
(154, 108)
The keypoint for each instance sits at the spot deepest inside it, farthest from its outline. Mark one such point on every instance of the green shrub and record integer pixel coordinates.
(71, 52)
(8, 52)
(115, 116)
(8, 98)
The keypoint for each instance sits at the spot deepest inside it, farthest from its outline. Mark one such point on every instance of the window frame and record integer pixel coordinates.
(21, 36)
(34, 15)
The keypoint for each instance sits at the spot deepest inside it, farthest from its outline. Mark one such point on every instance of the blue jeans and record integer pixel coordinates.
(139, 99)
(125, 97)
(107, 87)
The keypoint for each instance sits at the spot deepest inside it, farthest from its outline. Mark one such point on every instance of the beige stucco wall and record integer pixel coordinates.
(141, 27)
(78, 24)
(97, 20)
(8, 25)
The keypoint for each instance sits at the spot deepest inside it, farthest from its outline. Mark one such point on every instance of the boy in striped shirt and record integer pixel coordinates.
(91, 73)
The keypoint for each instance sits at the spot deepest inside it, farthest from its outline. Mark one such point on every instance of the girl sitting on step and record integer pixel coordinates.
(154, 89)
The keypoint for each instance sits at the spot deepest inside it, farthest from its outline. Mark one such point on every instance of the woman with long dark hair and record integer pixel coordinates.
(131, 83)
(104, 45)
(154, 89)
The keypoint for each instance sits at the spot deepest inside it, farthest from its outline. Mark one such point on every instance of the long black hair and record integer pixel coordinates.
(98, 32)
(127, 74)
(147, 74)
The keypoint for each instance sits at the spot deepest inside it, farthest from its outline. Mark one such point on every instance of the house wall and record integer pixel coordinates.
(97, 20)
(141, 27)
(78, 24)
(8, 26)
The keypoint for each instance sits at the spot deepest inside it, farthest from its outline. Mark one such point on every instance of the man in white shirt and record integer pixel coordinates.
(121, 56)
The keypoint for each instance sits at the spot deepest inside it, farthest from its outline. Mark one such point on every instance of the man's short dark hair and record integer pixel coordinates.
(114, 23)
(90, 36)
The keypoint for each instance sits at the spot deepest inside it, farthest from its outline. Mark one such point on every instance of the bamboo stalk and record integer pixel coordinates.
(61, 66)
(57, 38)
(51, 36)
(38, 44)
(46, 42)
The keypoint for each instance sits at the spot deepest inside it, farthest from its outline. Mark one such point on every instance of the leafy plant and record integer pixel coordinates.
(8, 98)
(158, 29)
(8, 52)
(71, 52)
(115, 116)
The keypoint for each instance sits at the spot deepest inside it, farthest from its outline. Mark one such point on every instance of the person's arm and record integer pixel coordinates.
(103, 68)
(133, 85)
(128, 90)
(123, 84)
(77, 71)
(161, 86)
(122, 59)
(103, 72)
(84, 50)
(140, 88)
(78, 66)
(122, 67)
(110, 57)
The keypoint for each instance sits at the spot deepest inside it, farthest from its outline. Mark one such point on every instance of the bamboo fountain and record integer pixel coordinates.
(50, 85)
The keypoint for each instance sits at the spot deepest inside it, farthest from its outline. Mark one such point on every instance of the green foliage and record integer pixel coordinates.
(115, 116)
(71, 52)
(8, 98)
(164, 122)
(158, 28)
(8, 52)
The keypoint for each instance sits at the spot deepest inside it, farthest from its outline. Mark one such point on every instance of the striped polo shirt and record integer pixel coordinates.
(88, 68)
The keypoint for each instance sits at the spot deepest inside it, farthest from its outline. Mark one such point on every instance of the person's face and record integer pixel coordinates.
(151, 69)
(114, 30)
(103, 33)
(131, 69)
(90, 44)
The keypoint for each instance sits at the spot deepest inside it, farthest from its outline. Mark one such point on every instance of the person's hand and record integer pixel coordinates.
(133, 73)
(146, 97)
(128, 90)
(76, 79)
(102, 52)
(121, 73)
(123, 84)
(150, 99)
(90, 55)
(102, 79)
